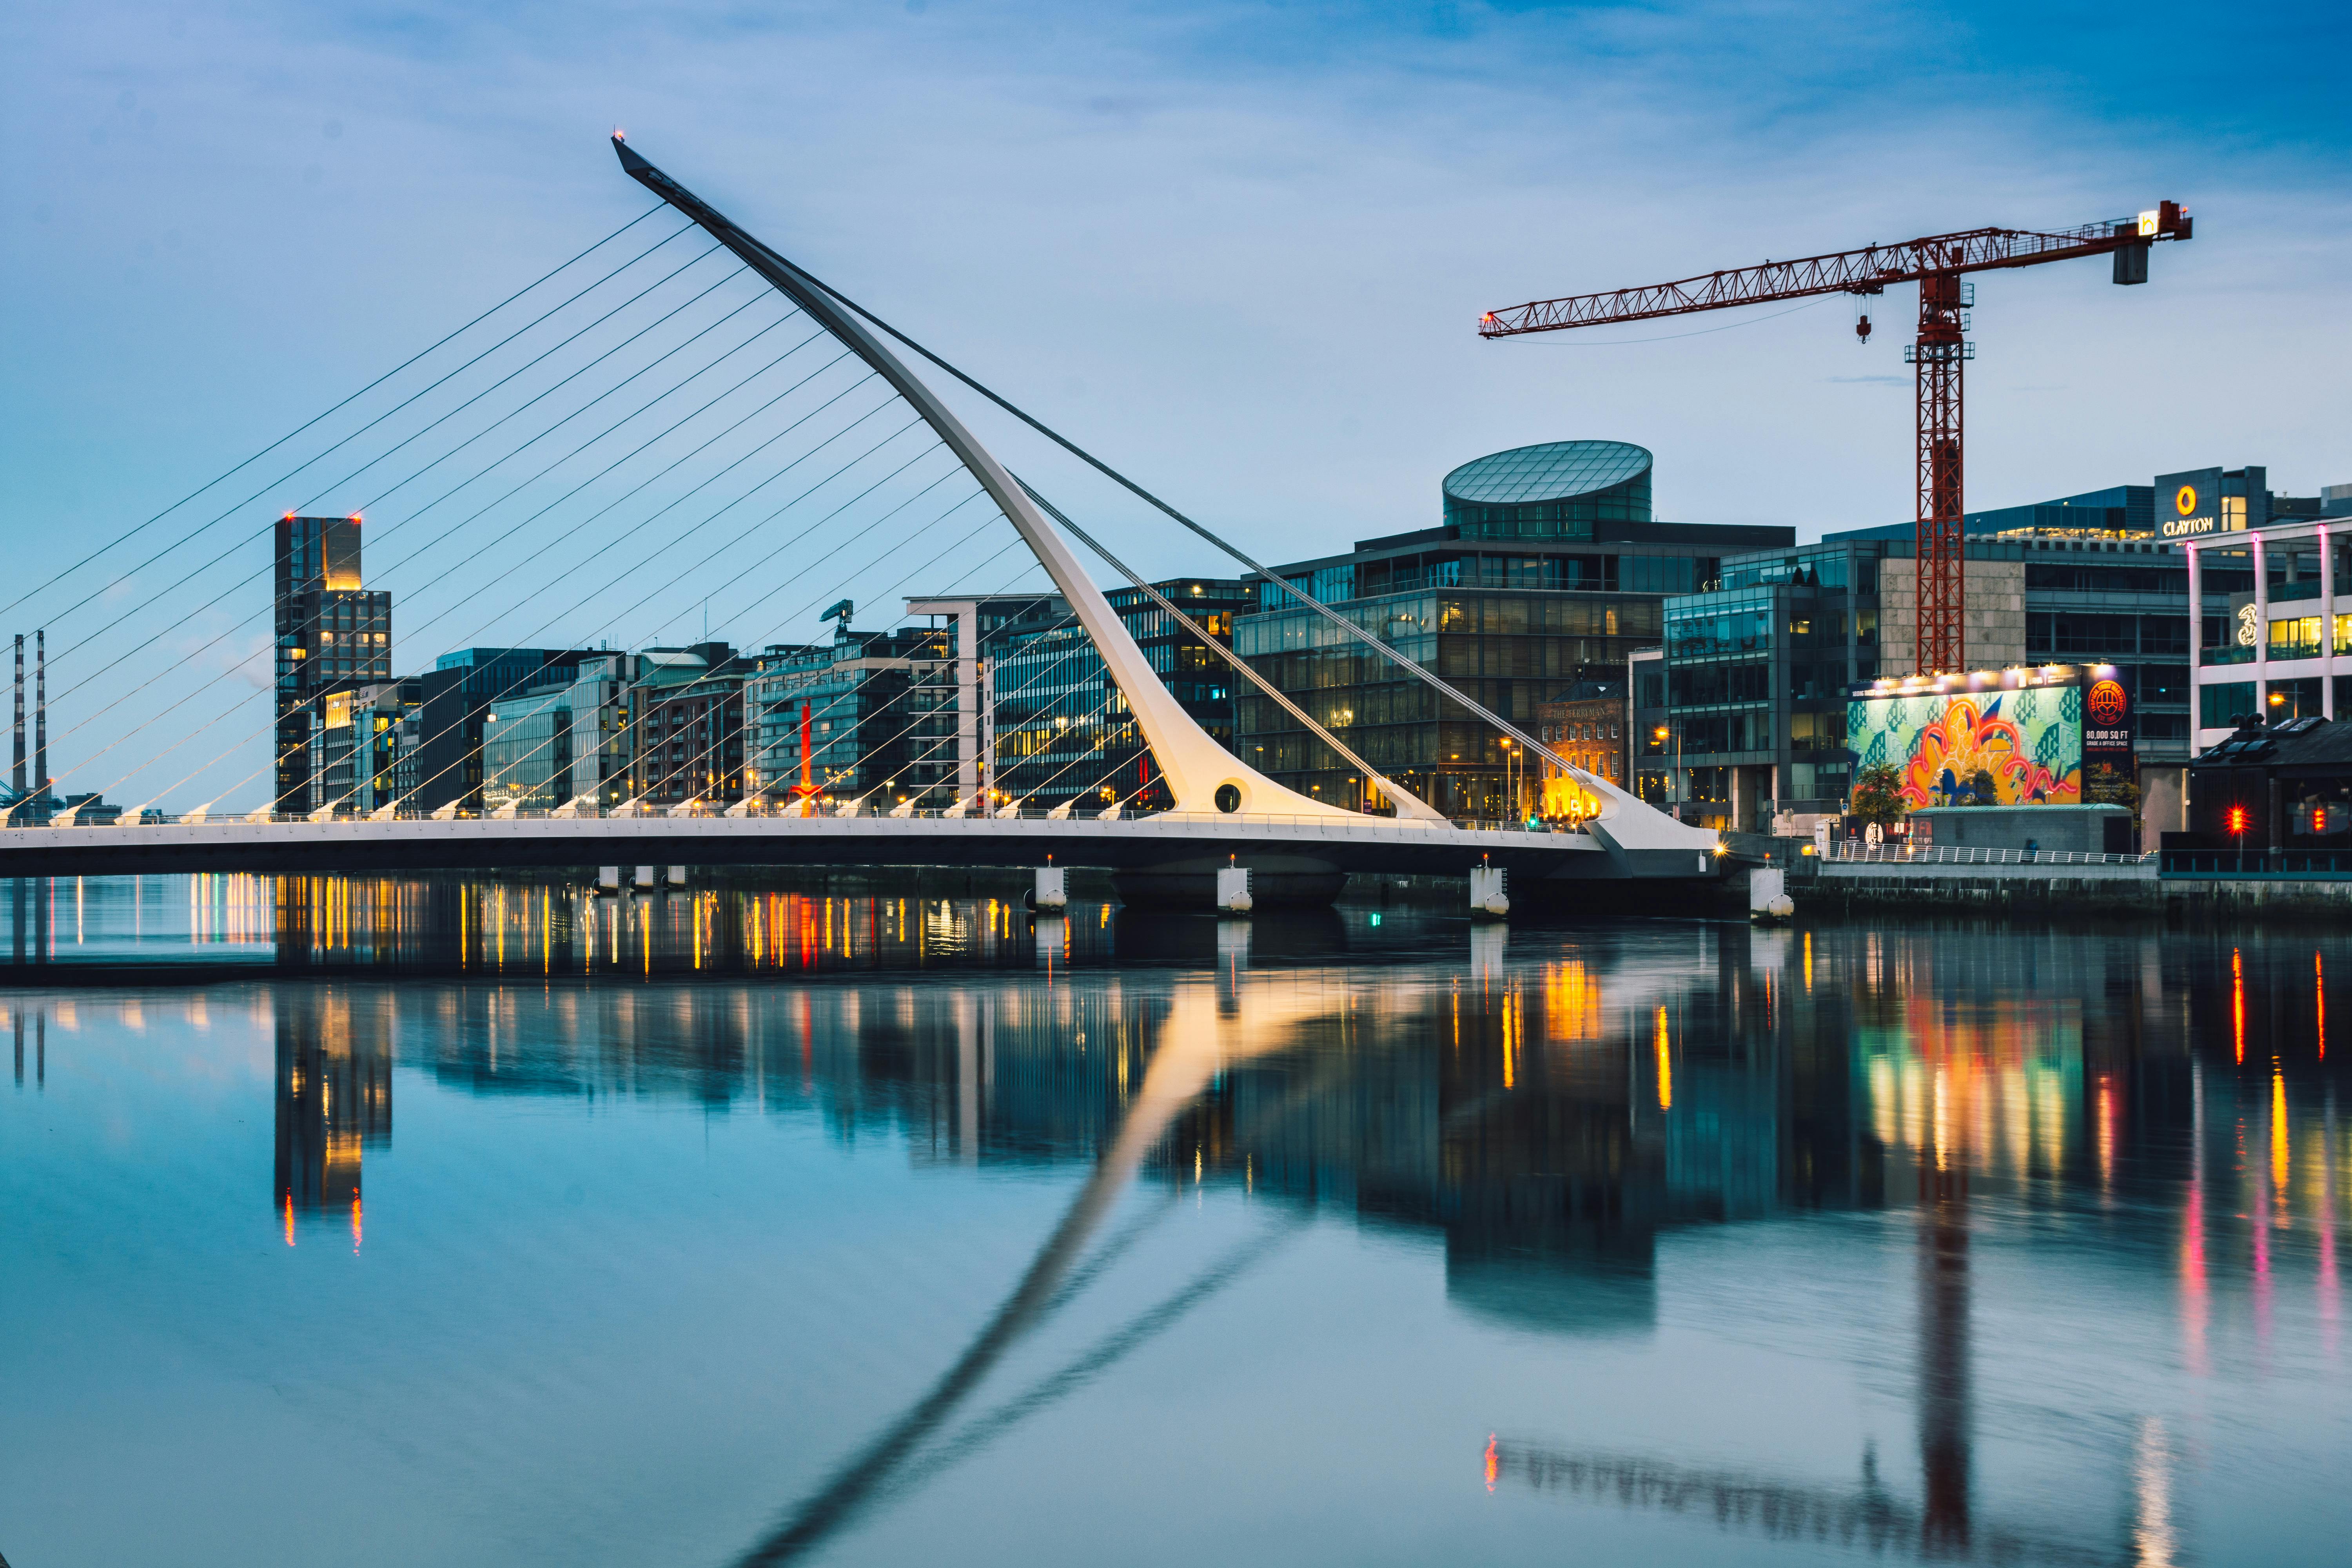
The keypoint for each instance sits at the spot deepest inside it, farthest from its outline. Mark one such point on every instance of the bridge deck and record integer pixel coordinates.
(1366, 844)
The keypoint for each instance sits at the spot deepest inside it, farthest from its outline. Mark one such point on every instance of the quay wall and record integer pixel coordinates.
(2028, 890)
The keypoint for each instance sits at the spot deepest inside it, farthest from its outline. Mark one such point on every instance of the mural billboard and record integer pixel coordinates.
(2004, 737)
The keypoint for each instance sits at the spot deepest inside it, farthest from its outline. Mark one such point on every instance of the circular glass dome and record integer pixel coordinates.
(1558, 489)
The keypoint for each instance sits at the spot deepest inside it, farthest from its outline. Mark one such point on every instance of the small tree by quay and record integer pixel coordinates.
(1877, 795)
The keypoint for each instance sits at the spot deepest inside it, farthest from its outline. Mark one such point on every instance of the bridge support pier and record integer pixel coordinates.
(1490, 894)
(1053, 889)
(608, 879)
(643, 880)
(1233, 890)
(677, 876)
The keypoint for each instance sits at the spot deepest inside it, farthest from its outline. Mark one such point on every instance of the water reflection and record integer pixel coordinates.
(334, 1100)
(452, 924)
(2044, 1143)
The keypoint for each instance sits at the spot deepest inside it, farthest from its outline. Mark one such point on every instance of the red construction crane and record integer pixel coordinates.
(1936, 265)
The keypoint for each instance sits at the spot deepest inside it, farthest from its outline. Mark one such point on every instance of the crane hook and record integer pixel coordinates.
(1862, 328)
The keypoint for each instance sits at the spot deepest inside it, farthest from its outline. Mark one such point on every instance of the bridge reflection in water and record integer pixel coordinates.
(1551, 1121)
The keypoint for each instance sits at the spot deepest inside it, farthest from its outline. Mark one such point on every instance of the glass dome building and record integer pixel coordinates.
(1547, 571)
(1559, 490)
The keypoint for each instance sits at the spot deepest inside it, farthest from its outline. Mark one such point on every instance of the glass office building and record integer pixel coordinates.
(332, 637)
(1754, 684)
(879, 709)
(1063, 730)
(1547, 571)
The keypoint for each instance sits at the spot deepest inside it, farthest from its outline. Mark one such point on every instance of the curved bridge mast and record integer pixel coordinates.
(1195, 766)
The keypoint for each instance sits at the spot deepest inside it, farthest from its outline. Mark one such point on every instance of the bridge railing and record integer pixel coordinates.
(1316, 823)
(1850, 850)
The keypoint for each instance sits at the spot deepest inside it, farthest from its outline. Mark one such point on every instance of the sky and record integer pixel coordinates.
(1240, 250)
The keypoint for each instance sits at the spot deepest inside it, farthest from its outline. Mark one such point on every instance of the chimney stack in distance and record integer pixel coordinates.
(41, 712)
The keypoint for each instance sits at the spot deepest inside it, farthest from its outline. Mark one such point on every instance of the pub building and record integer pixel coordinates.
(2271, 788)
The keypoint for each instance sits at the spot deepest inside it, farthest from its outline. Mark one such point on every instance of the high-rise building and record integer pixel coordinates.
(332, 637)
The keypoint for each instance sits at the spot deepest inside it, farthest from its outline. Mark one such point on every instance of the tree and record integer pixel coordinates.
(1877, 795)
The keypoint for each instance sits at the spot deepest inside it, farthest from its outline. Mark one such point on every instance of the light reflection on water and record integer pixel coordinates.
(1136, 1240)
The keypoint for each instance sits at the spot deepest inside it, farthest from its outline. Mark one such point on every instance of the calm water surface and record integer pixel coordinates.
(462, 1222)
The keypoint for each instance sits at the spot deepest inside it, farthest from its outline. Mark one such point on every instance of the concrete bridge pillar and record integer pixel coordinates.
(608, 879)
(643, 879)
(677, 876)
(1489, 892)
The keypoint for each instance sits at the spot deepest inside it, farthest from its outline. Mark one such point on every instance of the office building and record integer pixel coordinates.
(1744, 713)
(686, 718)
(878, 712)
(2265, 598)
(1064, 731)
(458, 698)
(331, 633)
(564, 738)
(1753, 723)
(980, 630)
(1546, 570)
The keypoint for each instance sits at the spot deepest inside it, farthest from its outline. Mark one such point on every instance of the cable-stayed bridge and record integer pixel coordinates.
(803, 460)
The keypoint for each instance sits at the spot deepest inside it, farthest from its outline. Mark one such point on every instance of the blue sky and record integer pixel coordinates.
(1239, 250)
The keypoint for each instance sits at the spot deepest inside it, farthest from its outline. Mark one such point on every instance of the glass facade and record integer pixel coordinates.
(1548, 573)
(526, 751)
(332, 636)
(1754, 680)
(1561, 489)
(1511, 652)
(878, 710)
(1064, 731)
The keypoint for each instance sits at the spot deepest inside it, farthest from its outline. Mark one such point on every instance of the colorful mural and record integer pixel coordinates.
(2015, 747)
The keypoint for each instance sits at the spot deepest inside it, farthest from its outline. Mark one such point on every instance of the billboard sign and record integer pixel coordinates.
(2189, 504)
(2109, 716)
(1998, 737)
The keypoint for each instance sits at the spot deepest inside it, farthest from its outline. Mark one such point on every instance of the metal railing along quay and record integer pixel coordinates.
(1847, 851)
(2281, 863)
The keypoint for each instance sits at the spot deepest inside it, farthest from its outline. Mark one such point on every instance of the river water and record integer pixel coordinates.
(476, 1222)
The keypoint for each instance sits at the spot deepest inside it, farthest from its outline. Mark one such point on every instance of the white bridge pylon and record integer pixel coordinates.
(1204, 778)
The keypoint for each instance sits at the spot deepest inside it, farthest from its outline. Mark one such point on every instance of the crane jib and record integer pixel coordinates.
(1937, 356)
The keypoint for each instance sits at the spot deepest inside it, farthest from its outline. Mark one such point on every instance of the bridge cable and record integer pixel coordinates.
(126, 536)
(489, 542)
(819, 598)
(635, 528)
(417, 474)
(232, 511)
(522, 681)
(1353, 630)
(609, 468)
(1189, 625)
(846, 695)
(720, 733)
